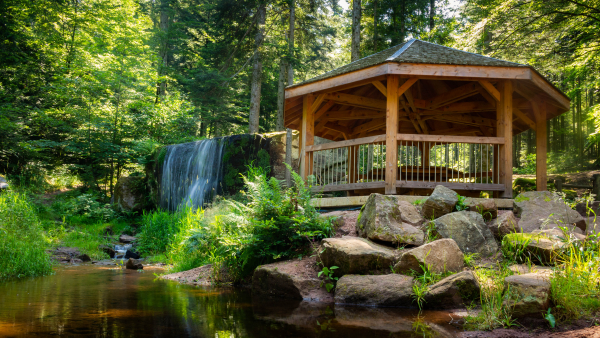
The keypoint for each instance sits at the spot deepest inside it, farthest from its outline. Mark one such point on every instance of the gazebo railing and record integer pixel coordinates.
(423, 161)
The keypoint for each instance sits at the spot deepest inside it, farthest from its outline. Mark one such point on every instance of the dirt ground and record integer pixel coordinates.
(583, 178)
(579, 329)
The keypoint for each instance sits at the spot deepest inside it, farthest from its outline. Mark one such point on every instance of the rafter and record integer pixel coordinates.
(359, 114)
(372, 125)
(357, 101)
(380, 87)
(454, 95)
(489, 87)
(406, 85)
(323, 110)
(464, 119)
(523, 117)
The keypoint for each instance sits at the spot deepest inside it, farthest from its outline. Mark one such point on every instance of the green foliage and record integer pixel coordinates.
(460, 205)
(22, 244)
(430, 232)
(86, 205)
(423, 279)
(470, 259)
(514, 247)
(550, 318)
(328, 278)
(157, 231)
(527, 166)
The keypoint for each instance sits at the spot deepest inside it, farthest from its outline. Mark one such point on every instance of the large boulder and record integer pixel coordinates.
(343, 221)
(439, 256)
(129, 193)
(3, 183)
(410, 214)
(469, 231)
(486, 207)
(527, 295)
(505, 224)
(380, 219)
(541, 210)
(355, 255)
(441, 202)
(453, 291)
(378, 290)
(289, 280)
(126, 239)
(133, 264)
(588, 209)
(542, 246)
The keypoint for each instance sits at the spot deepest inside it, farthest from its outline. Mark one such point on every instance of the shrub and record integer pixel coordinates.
(158, 228)
(23, 245)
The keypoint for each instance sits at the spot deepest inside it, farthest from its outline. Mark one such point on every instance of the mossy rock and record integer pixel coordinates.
(240, 152)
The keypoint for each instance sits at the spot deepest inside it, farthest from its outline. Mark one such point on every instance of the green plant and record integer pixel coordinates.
(470, 259)
(461, 205)
(328, 279)
(157, 230)
(419, 292)
(430, 232)
(550, 318)
(514, 247)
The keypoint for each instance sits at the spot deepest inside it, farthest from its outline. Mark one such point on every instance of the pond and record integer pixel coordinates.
(104, 301)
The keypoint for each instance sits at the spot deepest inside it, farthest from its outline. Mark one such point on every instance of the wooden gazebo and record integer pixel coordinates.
(449, 115)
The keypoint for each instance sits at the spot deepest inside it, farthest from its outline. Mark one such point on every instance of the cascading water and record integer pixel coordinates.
(191, 174)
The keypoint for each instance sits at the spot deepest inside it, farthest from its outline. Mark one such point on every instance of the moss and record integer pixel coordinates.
(521, 198)
(241, 151)
(467, 291)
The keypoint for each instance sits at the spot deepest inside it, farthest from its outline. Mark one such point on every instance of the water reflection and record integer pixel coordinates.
(88, 301)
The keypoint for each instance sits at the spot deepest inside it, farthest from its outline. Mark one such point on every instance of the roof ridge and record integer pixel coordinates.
(464, 51)
(401, 50)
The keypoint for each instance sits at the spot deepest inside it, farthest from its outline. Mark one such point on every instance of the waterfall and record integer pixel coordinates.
(191, 173)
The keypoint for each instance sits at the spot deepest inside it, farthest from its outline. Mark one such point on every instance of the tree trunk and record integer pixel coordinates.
(281, 94)
(290, 81)
(431, 14)
(356, 16)
(161, 86)
(257, 71)
(375, 24)
(403, 21)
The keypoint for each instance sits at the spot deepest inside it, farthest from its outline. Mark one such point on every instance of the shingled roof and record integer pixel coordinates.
(416, 51)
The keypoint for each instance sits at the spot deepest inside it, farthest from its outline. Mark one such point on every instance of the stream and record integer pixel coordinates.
(104, 301)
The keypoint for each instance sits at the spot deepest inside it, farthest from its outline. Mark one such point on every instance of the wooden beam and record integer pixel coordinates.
(504, 129)
(468, 106)
(411, 102)
(541, 175)
(521, 115)
(450, 139)
(337, 127)
(463, 119)
(308, 135)
(453, 186)
(357, 201)
(354, 115)
(453, 95)
(371, 125)
(406, 85)
(490, 89)
(380, 87)
(323, 110)
(317, 103)
(554, 93)
(357, 101)
(391, 142)
(349, 143)
(437, 71)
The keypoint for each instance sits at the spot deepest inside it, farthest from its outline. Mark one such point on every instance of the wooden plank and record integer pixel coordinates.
(450, 139)
(348, 143)
(355, 100)
(323, 110)
(554, 93)
(357, 114)
(380, 87)
(308, 135)
(463, 119)
(317, 103)
(454, 131)
(391, 142)
(467, 106)
(358, 201)
(489, 87)
(366, 127)
(541, 175)
(344, 81)
(406, 85)
(348, 186)
(337, 127)
(453, 95)
(450, 185)
(518, 113)
(504, 129)
(436, 71)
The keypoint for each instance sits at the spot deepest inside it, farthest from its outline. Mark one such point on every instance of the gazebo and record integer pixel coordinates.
(418, 115)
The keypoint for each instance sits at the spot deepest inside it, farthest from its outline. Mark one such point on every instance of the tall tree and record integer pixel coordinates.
(255, 91)
(356, 18)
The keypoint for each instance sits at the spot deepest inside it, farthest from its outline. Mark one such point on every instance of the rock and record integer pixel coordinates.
(587, 210)
(84, 258)
(557, 234)
(521, 269)
(541, 210)
(410, 214)
(355, 255)
(440, 256)
(380, 220)
(131, 254)
(441, 202)
(505, 224)
(378, 290)
(126, 239)
(527, 295)
(108, 231)
(469, 231)
(542, 246)
(133, 264)
(593, 225)
(109, 250)
(129, 193)
(344, 222)
(453, 291)
(288, 280)
(486, 207)
(3, 183)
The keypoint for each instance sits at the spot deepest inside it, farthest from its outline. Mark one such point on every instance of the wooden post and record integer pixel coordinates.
(352, 162)
(504, 129)
(391, 133)
(596, 186)
(308, 135)
(557, 184)
(541, 177)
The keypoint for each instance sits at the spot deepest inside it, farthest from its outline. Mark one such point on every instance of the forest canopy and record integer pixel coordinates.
(93, 86)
